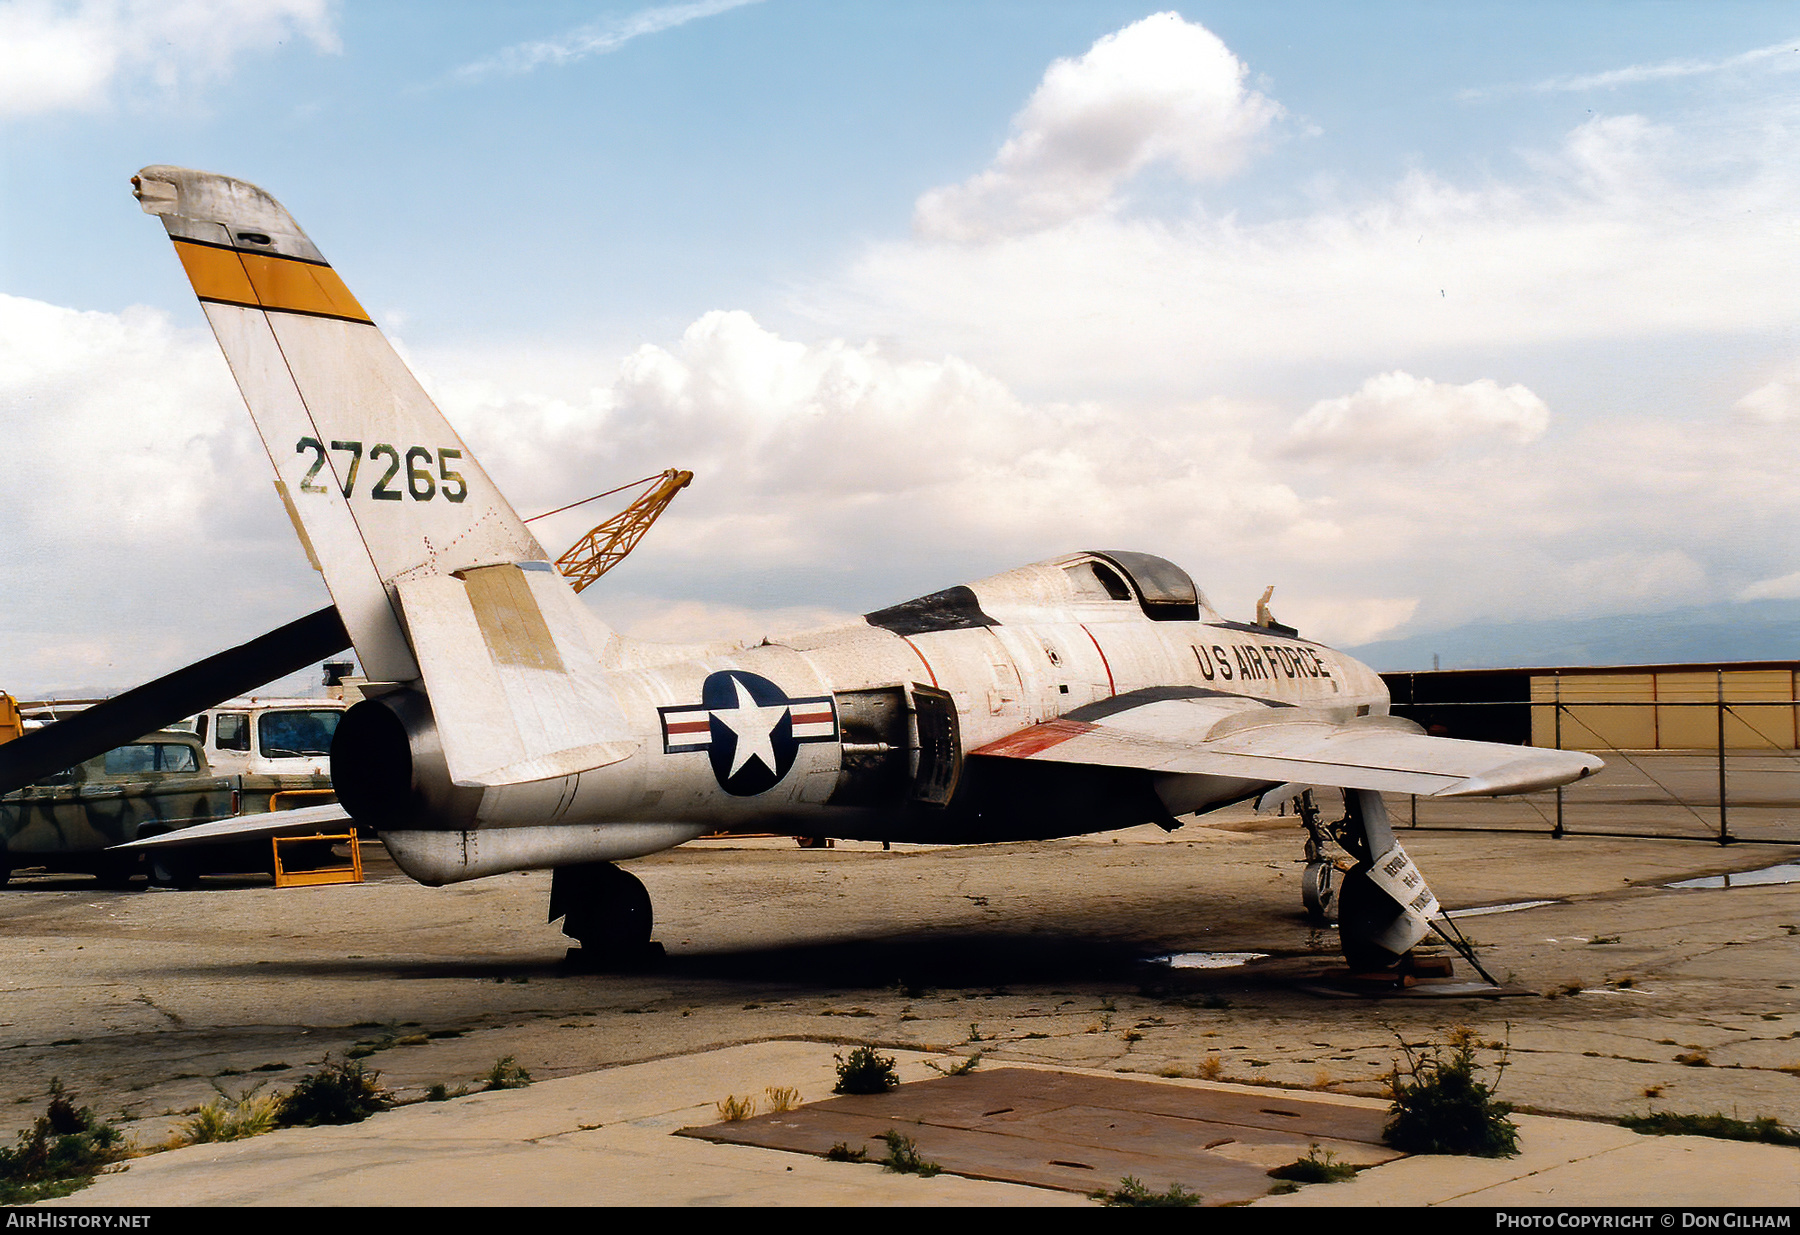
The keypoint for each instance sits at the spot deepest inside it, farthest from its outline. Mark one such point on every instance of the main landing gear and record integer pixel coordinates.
(1382, 904)
(607, 911)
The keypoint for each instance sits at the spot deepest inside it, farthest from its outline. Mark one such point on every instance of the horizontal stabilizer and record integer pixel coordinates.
(510, 659)
(305, 821)
(1246, 740)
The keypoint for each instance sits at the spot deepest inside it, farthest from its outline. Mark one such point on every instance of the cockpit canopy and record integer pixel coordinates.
(1164, 591)
(1088, 584)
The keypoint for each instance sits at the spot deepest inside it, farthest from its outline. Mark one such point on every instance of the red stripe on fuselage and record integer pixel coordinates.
(1028, 742)
(916, 652)
(1111, 687)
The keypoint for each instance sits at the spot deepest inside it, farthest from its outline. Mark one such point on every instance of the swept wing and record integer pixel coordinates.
(1196, 733)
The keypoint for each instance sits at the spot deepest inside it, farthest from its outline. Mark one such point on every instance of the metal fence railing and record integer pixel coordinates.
(1728, 795)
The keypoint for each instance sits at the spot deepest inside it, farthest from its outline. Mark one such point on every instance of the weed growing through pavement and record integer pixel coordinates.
(734, 1108)
(60, 1153)
(903, 1156)
(223, 1119)
(1133, 1192)
(506, 1074)
(962, 1068)
(1665, 1123)
(782, 1098)
(841, 1152)
(1319, 1166)
(865, 1072)
(1441, 1106)
(338, 1093)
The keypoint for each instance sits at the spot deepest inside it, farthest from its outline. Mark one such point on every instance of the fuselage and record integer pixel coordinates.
(874, 729)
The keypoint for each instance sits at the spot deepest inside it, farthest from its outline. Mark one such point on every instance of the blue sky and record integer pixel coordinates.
(1425, 313)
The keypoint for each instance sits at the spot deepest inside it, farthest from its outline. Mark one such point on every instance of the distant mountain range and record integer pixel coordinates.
(1754, 630)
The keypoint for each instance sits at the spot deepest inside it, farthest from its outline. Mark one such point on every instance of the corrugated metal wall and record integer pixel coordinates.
(1639, 712)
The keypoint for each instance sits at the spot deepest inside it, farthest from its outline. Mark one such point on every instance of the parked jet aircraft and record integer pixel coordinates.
(508, 728)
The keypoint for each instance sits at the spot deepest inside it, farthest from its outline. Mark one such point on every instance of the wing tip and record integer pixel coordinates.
(1543, 769)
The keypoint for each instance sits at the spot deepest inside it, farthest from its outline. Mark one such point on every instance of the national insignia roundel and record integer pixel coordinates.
(749, 729)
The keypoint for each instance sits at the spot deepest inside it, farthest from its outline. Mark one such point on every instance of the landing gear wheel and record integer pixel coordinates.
(1364, 914)
(1319, 885)
(607, 911)
(170, 869)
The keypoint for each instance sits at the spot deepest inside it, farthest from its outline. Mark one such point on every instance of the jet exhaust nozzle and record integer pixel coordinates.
(388, 767)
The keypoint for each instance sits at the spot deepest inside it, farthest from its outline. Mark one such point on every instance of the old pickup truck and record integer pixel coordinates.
(279, 750)
(153, 785)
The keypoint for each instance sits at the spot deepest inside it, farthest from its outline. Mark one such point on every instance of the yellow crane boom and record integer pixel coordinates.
(606, 545)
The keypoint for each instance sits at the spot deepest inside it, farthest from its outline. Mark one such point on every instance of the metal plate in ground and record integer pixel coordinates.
(1079, 1133)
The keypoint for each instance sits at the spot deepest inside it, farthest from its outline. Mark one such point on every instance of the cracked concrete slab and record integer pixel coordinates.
(147, 1004)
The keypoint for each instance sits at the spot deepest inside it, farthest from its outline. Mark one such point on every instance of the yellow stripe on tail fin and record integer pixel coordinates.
(383, 488)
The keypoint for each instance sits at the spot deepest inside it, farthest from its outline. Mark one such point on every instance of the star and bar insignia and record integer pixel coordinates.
(749, 729)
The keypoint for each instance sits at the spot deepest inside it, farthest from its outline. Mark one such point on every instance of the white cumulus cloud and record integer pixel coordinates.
(1162, 90)
(811, 452)
(60, 55)
(142, 528)
(1401, 417)
(1624, 229)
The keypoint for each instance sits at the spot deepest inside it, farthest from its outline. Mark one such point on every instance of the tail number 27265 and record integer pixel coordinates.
(420, 482)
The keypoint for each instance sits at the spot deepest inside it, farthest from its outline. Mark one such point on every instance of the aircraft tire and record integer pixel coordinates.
(172, 870)
(612, 916)
(5, 866)
(1364, 912)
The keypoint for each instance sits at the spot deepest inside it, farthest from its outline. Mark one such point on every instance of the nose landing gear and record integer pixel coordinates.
(1382, 904)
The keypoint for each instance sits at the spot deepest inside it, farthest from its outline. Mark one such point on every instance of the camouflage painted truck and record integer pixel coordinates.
(154, 785)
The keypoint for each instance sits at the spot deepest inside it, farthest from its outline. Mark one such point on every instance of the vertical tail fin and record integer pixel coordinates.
(379, 486)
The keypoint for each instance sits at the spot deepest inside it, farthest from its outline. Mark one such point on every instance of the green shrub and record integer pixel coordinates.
(60, 1153)
(903, 1156)
(338, 1093)
(1440, 1106)
(1133, 1192)
(1317, 1167)
(865, 1072)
